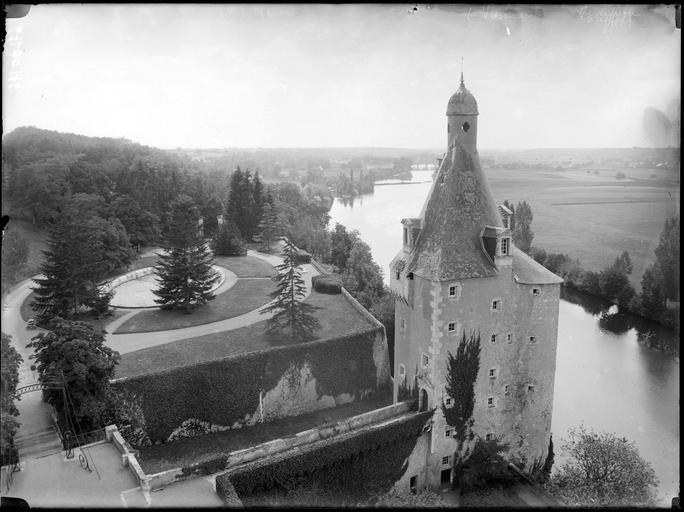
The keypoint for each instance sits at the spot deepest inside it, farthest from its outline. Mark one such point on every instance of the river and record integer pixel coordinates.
(607, 376)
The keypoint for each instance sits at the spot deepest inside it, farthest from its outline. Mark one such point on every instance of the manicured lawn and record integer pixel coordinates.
(244, 296)
(336, 315)
(184, 452)
(246, 266)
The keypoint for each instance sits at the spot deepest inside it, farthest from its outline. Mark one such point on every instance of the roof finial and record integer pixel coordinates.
(462, 72)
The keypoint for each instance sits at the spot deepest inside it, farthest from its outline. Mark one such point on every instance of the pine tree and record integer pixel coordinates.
(184, 271)
(290, 312)
(267, 226)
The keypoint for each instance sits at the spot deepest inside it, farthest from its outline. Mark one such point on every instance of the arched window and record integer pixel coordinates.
(465, 127)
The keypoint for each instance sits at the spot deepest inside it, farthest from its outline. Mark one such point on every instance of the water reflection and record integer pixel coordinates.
(614, 320)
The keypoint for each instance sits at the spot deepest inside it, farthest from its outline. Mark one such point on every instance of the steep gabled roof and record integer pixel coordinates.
(459, 205)
(528, 271)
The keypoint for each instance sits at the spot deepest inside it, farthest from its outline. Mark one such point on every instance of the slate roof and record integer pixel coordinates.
(528, 271)
(460, 204)
(462, 102)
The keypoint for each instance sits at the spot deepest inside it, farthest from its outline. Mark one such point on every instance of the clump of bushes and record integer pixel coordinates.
(303, 256)
(485, 468)
(326, 283)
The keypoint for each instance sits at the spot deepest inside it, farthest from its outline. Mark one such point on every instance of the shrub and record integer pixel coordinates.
(486, 467)
(303, 256)
(326, 283)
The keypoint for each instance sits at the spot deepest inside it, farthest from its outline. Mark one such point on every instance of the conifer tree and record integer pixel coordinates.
(291, 313)
(184, 271)
(267, 226)
(227, 241)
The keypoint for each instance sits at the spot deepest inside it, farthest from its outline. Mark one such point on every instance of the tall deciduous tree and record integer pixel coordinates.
(184, 272)
(292, 316)
(363, 277)
(78, 351)
(601, 470)
(522, 232)
(668, 259)
(9, 378)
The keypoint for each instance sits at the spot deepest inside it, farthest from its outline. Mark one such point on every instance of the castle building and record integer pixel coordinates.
(458, 273)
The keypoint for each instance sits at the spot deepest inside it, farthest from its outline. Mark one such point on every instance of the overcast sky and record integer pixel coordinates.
(350, 75)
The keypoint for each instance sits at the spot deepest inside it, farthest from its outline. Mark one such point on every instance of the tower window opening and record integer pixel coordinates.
(445, 461)
(504, 246)
(448, 432)
(398, 275)
(426, 361)
(507, 389)
(496, 305)
(451, 327)
(492, 373)
(533, 339)
(536, 292)
(465, 127)
(509, 337)
(490, 401)
(489, 436)
(493, 338)
(402, 370)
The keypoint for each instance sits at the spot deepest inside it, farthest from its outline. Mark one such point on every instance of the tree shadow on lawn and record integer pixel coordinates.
(241, 298)
(246, 266)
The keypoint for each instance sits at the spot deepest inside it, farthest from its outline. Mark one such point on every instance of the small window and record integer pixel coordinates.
(530, 388)
(425, 361)
(490, 401)
(507, 389)
(493, 338)
(447, 402)
(489, 436)
(509, 338)
(492, 373)
(402, 370)
(398, 275)
(465, 127)
(533, 339)
(405, 236)
(504, 246)
(402, 324)
(445, 461)
(451, 327)
(413, 484)
(536, 292)
(452, 291)
(496, 305)
(448, 432)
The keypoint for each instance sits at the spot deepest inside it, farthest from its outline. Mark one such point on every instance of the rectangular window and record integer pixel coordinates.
(402, 370)
(509, 338)
(413, 484)
(445, 461)
(425, 361)
(507, 389)
(504, 246)
(451, 327)
(496, 305)
(492, 373)
(402, 324)
(405, 236)
(452, 291)
(536, 292)
(530, 388)
(448, 432)
(398, 275)
(447, 402)
(489, 436)
(533, 339)
(490, 401)
(493, 338)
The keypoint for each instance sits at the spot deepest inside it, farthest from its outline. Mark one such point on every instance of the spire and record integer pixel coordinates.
(462, 84)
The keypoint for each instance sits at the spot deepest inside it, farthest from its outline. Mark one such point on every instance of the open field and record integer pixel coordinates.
(184, 452)
(594, 217)
(337, 317)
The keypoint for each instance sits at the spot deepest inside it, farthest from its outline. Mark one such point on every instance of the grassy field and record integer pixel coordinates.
(184, 452)
(337, 317)
(592, 216)
(244, 296)
(246, 266)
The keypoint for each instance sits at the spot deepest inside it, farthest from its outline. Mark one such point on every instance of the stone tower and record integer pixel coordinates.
(458, 273)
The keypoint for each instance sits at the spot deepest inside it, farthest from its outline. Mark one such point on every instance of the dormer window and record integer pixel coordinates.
(504, 246)
(406, 240)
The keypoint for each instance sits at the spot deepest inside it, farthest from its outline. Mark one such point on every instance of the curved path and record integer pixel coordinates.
(124, 343)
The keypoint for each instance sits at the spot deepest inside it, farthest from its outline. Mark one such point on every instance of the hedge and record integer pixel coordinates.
(325, 283)
(226, 390)
(369, 463)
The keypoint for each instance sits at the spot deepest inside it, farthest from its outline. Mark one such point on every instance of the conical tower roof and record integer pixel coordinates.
(459, 206)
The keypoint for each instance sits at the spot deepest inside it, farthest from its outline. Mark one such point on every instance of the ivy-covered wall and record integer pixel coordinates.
(367, 464)
(226, 392)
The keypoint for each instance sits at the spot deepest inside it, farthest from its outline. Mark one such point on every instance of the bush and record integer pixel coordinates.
(325, 283)
(486, 467)
(303, 256)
